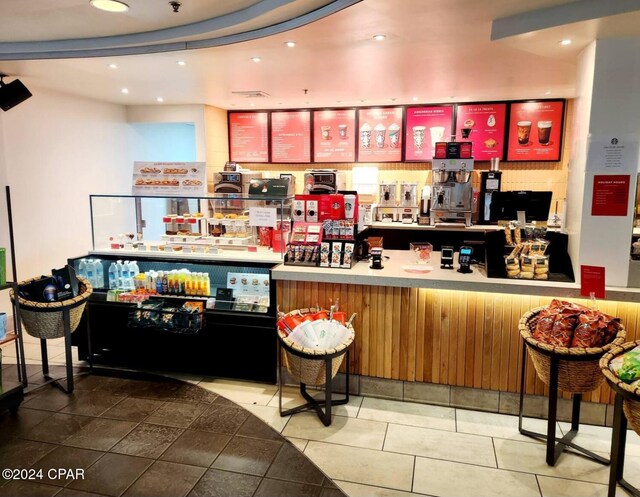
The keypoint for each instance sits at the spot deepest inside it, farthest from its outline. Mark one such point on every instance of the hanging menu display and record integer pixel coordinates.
(334, 135)
(425, 127)
(380, 135)
(484, 125)
(169, 178)
(291, 136)
(535, 131)
(249, 137)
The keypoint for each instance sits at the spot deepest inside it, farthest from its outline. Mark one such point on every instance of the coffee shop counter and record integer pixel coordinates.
(440, 327)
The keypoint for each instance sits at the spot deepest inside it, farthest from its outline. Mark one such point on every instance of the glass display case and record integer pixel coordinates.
(218, 227)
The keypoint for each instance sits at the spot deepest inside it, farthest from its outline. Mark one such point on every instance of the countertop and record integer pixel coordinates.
(447, 279)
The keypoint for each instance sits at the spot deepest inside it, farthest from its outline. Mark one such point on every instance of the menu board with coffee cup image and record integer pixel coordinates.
(291, 136)
(425, 127)
(334, 135)
(483, 124)
(535, 131)
(249, 136)
(380, 134)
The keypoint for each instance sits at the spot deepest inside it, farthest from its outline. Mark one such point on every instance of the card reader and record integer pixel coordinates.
(446, 257)
(464, 259)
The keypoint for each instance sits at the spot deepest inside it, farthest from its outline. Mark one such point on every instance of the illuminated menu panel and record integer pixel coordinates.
(535, 131)
(380, 134)
(334, 135)
(249, 136)
(485, 123)
(425, 127)
(291, 136)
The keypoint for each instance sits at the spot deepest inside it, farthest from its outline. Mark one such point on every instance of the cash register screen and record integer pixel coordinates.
(505, 205)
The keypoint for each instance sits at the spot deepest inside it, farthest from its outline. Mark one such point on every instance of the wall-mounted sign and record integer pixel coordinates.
(334, 135)
(249, 136)
(610, 195)
(291, 136)
(485, 124)
(535, 131)
(380, 134)
(169, 178)
(425, 127)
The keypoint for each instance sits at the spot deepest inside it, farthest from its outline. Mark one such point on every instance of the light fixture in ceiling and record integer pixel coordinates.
(159, 100)
(256, 59)
(125, 91)
(415, 99)
(290, 44)
(548, 92)
(113, 66)
(109, 5)
(565, 42)
(181, 63)
(379, 37)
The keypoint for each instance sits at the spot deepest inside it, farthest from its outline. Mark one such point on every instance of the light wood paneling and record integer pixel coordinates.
(441, 336)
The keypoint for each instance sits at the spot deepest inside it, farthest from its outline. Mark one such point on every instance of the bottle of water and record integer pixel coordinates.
(90, 272)
(99, 274)
(82, 268)
(134, 269)
(119, 284)
(126, 276)
(113, 276)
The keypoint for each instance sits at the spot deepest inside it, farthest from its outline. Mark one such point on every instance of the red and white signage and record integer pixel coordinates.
(291, 136)
(249, 136)
(592, 281)
(380, 134)
(485, 123)
(535, 131)
(334, 135)
(610, 195)
(425, 127)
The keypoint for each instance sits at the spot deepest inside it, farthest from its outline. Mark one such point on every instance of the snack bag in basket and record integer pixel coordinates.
(630, 369)
(546, 318)
(562, 330)
(587, 331)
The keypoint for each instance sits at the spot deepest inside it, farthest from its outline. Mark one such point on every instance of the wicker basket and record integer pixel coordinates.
(631, 402)
(310, 369)
(44, 319)
(579, 372)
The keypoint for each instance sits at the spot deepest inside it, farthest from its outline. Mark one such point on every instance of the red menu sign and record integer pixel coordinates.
(592, 281)
(334, 135)
(425, 127)
(485, 125)
(291, 136)
(248, 134)
(610, 195)
(535, 131)
(380, 135)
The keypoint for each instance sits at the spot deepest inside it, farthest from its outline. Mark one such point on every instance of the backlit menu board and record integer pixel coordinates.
(249, 136)
(485, 123)
(380, 134)
(425, 127)
(334, 135)
(291, 136)
(535, 131)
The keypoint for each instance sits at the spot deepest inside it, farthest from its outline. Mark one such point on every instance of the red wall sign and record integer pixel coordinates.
(249, 137)
(535, 131)
(592, 281)
(380, 135)
(334, 135)
(291, 136)
(486, 122)
(425, 127)
(610, 195)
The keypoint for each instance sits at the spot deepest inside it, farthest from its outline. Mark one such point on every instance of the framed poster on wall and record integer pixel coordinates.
(535, 131)
(291, 136)
(249, 136)
(486, 124)
(426, 126)
(334, 135)
(380, 134)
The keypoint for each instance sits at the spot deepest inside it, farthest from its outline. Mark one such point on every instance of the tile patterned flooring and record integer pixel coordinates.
(374, 447)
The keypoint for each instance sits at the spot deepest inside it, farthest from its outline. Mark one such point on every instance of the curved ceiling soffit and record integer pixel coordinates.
(151, 41)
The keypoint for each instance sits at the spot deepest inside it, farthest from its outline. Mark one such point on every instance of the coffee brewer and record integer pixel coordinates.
(452, 192)
(408, 205)
(386, 210)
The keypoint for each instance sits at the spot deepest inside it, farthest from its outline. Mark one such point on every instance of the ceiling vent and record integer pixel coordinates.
(251, 94)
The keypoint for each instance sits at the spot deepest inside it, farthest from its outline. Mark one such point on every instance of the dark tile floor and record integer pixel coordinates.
(139, 436)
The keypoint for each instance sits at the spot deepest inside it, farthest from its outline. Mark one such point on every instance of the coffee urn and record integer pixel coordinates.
(490, 181)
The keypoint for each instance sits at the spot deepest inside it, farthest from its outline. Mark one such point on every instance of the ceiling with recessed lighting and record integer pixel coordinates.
(432, 50)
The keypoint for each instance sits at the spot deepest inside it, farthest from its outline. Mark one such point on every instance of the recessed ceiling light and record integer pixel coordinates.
(290, 44)
(566, 41)
(124, 90)
(181, 63)
(113, 66)
(338, 101)
(391, 99)
(548, 92)
(256, 59)
(307, 102)
(279, 103)
(363, 100)
(159, 100)
(379, 37)
(415, 99)
(252, 105)
(452, 97)
(110, 5)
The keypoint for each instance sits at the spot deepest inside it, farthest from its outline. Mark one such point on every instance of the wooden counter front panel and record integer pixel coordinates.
(441, 336)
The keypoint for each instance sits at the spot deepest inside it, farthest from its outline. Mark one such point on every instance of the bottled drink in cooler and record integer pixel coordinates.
(82, 268)
(99, 274)
(119, 283)
(113, 276)
(89, 272)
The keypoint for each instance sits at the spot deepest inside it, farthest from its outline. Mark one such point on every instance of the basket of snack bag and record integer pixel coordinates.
(621, 367)
(310, 337)
(580, 336)
(46, 319)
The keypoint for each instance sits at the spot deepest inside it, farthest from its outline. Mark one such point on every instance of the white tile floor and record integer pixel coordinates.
(383, 448)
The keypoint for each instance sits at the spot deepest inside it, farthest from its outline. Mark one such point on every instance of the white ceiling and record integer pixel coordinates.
(436, 50)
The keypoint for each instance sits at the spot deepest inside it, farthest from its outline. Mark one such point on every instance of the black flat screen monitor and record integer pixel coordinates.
(505, 205)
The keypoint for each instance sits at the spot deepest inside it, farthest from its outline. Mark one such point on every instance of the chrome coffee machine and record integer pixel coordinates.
(452, 192)
(408, 205)
(386, 210)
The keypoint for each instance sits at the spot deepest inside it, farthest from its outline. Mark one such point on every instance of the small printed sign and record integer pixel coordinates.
(592, 281)
(263, 216)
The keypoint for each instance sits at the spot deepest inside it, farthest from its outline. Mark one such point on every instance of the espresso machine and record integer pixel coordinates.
(387, 211)
(452, 191)
(408, 205)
